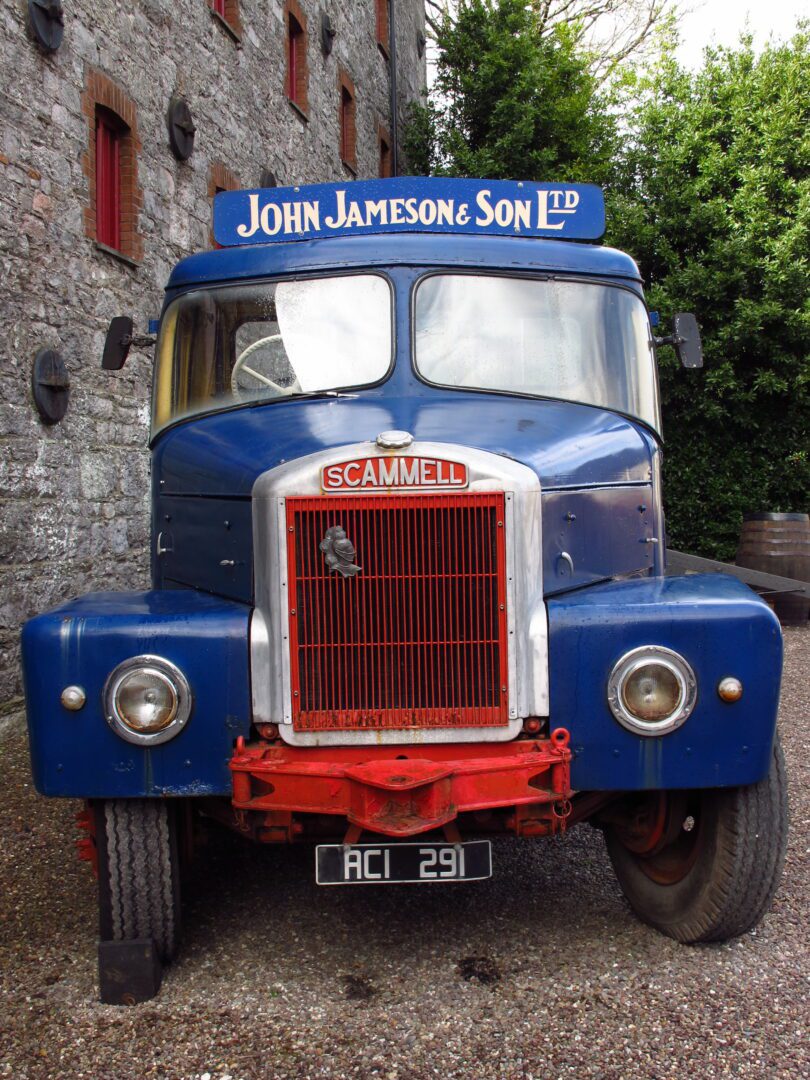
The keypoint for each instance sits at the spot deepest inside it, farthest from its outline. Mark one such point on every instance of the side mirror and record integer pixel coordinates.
(119, 341)
(116, 347)
(687, 340)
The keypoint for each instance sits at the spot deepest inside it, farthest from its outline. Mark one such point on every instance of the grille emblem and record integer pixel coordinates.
(339, 552)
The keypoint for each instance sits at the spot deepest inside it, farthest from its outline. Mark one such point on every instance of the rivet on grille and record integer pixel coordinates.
(291, 529)
(500, 524)
(292, 610)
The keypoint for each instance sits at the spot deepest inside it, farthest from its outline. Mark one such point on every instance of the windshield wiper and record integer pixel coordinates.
(309, 394)
(326, 393)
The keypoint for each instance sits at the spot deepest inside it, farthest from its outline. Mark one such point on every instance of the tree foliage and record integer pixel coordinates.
(509, 101)
(712, 197)
(707, 179)
(606, 32)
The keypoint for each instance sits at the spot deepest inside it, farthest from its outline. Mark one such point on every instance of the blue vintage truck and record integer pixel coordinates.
(408, 573)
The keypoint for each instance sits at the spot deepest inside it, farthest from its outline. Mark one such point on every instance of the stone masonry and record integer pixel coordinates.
(74, 496)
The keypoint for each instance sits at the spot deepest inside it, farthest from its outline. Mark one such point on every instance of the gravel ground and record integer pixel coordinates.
(540, 972)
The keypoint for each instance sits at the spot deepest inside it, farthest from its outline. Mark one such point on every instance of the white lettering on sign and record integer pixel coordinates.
(300, 217)
(508, 213)
(394, 474)
(442, 862)
(555, 202)
(357, 864)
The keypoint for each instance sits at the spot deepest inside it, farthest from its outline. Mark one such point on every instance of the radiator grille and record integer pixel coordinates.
(417, 638)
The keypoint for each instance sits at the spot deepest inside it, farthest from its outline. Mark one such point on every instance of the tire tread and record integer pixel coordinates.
(733, 888)
(141, 872)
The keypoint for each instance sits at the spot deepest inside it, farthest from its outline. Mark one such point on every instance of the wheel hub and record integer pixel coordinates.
(663, 831)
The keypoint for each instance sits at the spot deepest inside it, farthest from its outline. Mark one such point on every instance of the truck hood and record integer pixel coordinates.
(567, 445)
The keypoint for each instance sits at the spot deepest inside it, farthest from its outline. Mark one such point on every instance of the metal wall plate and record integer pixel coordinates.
(328, 33)
(50, 385)
(47, 21)
(181, 128)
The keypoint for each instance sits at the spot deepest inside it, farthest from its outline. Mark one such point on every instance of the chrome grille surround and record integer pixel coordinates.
(526, 613)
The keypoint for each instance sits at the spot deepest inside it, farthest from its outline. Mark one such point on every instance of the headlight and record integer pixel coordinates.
(652, 690)
(147, 700)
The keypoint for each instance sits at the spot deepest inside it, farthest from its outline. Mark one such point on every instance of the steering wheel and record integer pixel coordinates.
(241, 366)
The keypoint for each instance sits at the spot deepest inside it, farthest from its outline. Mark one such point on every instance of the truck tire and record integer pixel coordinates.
(138, 872)
(707, 863)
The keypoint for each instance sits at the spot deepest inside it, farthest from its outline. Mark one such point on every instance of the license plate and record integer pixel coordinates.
(366, 864)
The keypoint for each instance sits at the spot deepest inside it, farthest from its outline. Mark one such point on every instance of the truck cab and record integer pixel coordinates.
(409, 586)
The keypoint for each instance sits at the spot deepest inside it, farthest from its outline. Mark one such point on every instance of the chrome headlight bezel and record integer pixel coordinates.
(170, 674)
(628, 665)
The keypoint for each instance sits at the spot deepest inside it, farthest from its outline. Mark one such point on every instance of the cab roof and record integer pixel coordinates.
(507, 253)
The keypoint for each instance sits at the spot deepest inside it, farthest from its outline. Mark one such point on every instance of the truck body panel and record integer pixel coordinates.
(77, 754)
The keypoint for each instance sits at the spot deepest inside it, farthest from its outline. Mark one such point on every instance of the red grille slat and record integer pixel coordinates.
(390, 602)
(432, 658)
(417, 638)
(443, 521)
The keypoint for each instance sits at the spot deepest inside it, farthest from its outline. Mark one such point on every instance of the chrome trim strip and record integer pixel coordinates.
(659, 549)
(526, 612)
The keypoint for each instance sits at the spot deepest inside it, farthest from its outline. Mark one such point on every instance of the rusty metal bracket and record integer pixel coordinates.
(403, 795)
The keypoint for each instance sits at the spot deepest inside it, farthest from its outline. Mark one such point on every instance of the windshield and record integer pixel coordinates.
(224, 347)
(573, 340)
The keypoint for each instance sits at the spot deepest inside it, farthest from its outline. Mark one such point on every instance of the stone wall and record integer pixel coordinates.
(74, 496)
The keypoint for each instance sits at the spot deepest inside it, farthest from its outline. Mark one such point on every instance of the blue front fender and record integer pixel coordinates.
(716, 623)
(80, 642)
(720, 627)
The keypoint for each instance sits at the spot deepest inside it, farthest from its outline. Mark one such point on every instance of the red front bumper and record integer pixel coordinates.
(403, 791)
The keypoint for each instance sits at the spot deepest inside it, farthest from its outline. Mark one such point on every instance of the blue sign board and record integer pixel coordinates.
(409, 204)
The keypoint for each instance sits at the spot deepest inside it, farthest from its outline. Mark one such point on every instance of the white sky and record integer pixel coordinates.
(719, 22)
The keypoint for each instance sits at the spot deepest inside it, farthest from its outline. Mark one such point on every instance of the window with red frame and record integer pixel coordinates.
(383, 31)
(347, 127)
(296, 62)
(220, 178)
(385, 157)
(227, 12)
(109, 136)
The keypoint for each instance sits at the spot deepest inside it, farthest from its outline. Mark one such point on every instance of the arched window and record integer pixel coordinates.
(348, 122)
(227, 11)
(110, 134)
(111, 167)
(220, 178)
(297, 70)
(384, 145)
(382, 12)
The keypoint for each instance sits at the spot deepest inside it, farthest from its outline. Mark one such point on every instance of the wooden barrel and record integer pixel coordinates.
(779, 544)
